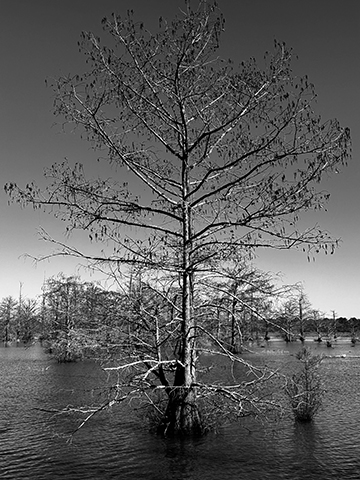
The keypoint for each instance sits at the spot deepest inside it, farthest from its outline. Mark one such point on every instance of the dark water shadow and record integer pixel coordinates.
(306, 456)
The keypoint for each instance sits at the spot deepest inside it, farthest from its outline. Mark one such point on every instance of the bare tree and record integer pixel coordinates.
(318, 323)
(80, 318)
(28, 320)
(8, 319)
(295, 314)
(212, 161)
(238, 294)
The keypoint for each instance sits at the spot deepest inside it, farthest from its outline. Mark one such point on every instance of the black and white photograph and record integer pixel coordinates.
(179, 239)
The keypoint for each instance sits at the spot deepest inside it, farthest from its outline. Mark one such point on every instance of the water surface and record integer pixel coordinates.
(115, 444)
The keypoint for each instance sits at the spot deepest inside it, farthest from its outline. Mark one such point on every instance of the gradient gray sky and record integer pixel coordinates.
(38, 40)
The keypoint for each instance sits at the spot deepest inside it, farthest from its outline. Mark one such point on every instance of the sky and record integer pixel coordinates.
(38, 41)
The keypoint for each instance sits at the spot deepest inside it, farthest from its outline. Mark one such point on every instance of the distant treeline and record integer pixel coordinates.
(74, 318)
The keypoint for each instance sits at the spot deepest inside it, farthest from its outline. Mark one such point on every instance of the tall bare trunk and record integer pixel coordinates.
(182, 416)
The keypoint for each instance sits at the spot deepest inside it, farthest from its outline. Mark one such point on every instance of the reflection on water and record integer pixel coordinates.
(307, 444)
(115, 444)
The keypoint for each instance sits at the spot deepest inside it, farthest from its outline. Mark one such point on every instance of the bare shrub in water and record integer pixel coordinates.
(304, 389)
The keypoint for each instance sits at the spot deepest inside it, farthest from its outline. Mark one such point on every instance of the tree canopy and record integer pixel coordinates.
(210, 160)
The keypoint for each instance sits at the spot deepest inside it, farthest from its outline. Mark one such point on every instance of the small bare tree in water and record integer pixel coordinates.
(212, 161)
(305, 389)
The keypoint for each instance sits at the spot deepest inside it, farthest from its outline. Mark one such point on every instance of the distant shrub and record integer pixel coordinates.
(65, 347)
(304, 389)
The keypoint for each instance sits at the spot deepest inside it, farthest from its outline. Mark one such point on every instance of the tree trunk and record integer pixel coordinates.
(301, 321)
(182, 416)
(233, 348)
(236, 342)
(267, 336)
